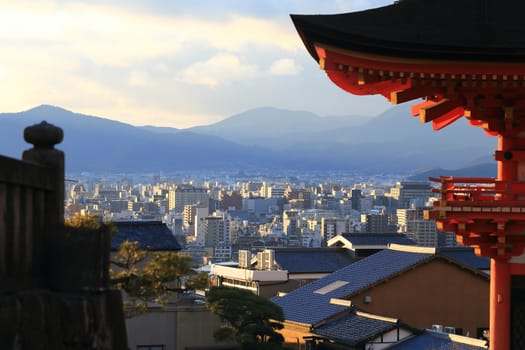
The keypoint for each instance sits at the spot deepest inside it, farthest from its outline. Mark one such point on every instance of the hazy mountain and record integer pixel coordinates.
(93, 143)
(393, 140)
(160, 129)
(272, 127)
(480, 170)
(271, 138)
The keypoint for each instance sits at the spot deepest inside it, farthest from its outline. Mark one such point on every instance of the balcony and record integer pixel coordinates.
(484, 213)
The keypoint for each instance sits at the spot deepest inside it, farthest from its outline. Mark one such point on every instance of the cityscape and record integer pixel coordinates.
(222, 214)
(183, 176)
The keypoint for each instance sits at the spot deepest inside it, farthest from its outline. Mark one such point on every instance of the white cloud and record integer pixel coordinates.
(118, 59)
(240, 32)
(120, 37)
(285, 66)
(222, 68)
(139, 78)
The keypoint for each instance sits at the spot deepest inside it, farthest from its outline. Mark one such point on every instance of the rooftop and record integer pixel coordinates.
(472, 30)
(466, 256)
(151, 235)
(356, 328)
(312, 260)
(443, 341)
(374, 239)
(311, 304)
(314, 302)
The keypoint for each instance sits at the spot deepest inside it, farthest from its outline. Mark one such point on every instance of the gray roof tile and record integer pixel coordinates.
(151, 235)
(355, 328)
(436, 340)
(311, 304)
(466, 256)
(378, 239)
(313, 260)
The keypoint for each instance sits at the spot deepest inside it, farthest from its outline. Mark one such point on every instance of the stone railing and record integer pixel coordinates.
(31, 210)
(54, 292)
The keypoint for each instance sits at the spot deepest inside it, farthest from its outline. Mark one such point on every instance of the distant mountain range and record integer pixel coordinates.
(266, 138)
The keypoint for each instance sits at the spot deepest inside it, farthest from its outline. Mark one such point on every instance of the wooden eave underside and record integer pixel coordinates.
(490, 95)
(398, 67)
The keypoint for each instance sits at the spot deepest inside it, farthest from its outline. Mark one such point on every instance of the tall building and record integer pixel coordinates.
(187, 194)
(171, 199)
(232, 199)
(407, 194)
(300, 198)
(330, 227)
(276, 191)
(292, 227)
(266, 189)
(214, 231)
(190, 211)
(198, 228)
(377, 223)
(412, 223)
(251, 188)
(356, 199)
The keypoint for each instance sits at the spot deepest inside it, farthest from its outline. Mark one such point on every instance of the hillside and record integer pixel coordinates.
(262, 138)
(97, 144)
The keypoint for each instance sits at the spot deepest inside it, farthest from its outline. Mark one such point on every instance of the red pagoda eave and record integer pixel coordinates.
(451, 89)
(331, 57)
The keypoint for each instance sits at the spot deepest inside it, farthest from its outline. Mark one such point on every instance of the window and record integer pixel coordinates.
(150, 347)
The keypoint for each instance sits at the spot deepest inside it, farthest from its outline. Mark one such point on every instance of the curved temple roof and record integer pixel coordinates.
(479, 30)
(464, 57)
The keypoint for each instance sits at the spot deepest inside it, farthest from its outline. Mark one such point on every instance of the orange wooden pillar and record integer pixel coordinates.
(500, 271)
(500, 286)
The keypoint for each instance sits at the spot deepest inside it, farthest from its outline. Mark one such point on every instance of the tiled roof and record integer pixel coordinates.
(313, 260)
(355, 328)
(382, 239)
(311, 304)
(151, 235)
(466, 256)
(372, 31)
(442, 341)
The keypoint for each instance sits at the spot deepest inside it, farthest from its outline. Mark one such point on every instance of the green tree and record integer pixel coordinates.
(151, 277)
(145, 277)
(252, 320)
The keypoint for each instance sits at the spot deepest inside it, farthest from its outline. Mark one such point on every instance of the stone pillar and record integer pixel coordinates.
(44, 137)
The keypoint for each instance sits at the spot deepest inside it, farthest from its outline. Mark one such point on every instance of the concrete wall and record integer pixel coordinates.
(195, 327)
(175, 327)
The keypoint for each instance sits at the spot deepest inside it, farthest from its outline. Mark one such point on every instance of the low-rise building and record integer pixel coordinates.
(365, 244)
(283, 269)
(419, 286)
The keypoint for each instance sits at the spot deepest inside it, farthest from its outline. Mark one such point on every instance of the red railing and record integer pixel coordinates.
(484, 192)
(484, 213)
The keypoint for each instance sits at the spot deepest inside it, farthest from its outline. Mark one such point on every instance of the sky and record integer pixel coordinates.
(168, 62)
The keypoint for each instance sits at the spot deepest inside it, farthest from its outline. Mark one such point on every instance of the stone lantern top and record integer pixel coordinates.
(43, 135)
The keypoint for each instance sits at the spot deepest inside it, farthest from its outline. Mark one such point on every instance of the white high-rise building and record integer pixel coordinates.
(332, 226)
(200, 225)
(292, 227)
(412, 223)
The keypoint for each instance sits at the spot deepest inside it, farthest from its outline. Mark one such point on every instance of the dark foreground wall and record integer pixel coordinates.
(54, 290)
(43, 320)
